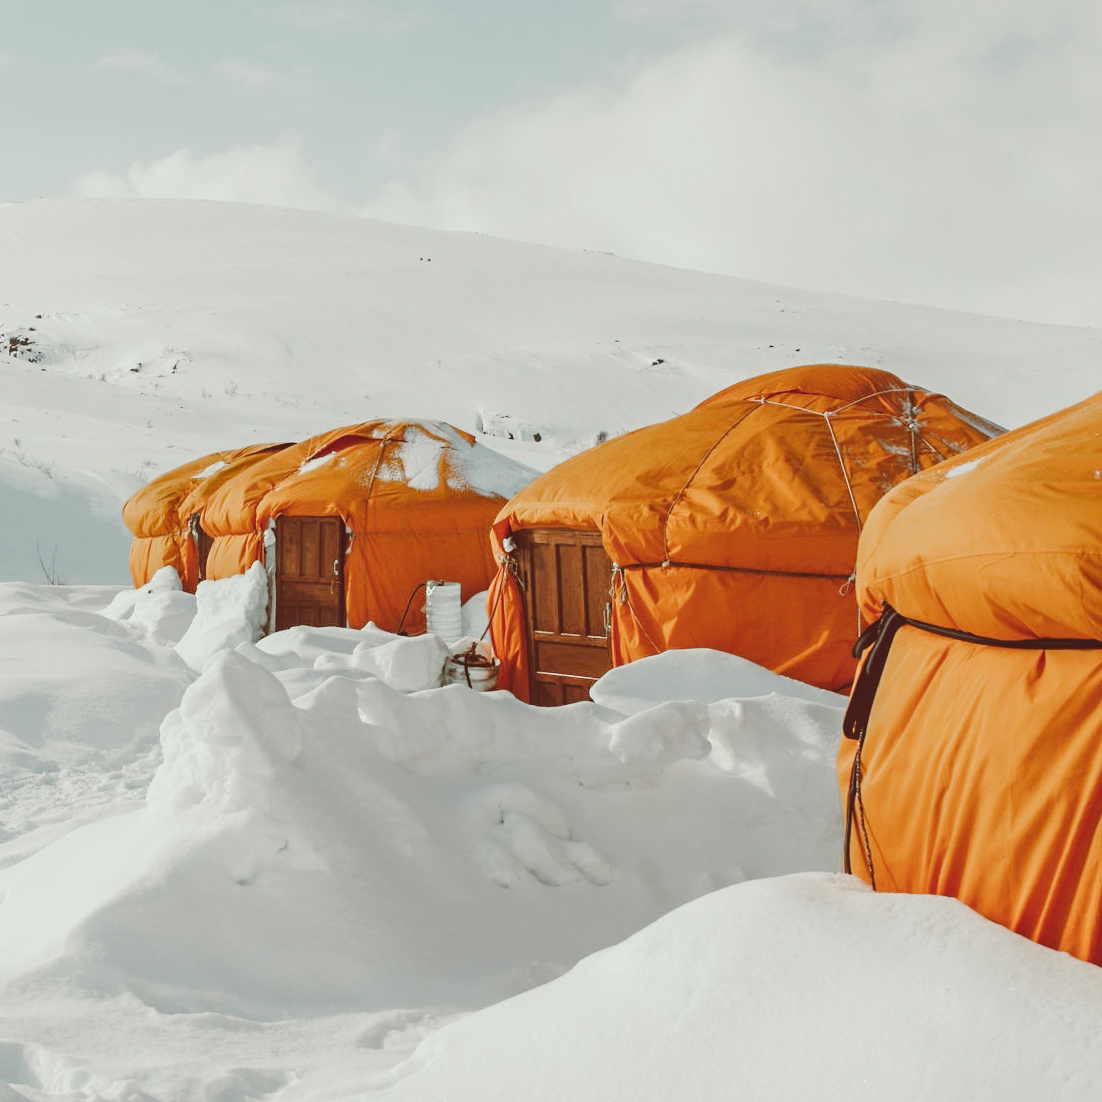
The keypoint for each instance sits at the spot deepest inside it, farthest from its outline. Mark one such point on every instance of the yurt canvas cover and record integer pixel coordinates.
(161, 514)
(733, 526)
(980, 771)
(362, 515)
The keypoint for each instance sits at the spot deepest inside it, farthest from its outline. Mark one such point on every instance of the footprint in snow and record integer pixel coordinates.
(530, 838)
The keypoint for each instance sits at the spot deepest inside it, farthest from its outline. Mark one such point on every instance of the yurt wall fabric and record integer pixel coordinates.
(229, 515)
(735, 525)
(980, 772)
(415, 500)
(418, 499)
(159, 514)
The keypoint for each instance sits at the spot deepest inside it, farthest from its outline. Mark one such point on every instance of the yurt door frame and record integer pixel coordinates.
(309, 575)
(566, 575)
(202, 545)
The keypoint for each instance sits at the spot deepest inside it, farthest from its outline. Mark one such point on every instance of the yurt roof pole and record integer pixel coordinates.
(388, 439)
(689, 481)
(826, 415)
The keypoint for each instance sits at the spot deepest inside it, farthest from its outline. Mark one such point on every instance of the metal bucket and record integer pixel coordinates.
(473, 670)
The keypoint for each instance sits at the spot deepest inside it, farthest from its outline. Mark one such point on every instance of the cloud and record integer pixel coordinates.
(275, 175)
(248, 74)
(921, 150)
(141, 64)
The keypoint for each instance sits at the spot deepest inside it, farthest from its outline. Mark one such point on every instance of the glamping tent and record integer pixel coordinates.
(974, 762)
(360, 516)
(163, 515)
(733, 527)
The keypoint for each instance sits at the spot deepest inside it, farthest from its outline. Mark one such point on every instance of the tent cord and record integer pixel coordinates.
(401, 623)
(618, 575)
(508, 564)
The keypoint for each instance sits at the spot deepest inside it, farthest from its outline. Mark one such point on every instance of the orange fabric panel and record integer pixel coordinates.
(773, 476)
(507, 619)
(975, 576)
(982, 780)
(384, 568)
(234, 463)
(149, 553)
(982, 767)
(154, 509)
(827, 385)
(360, 474)
(162, 510)
(230, 555)
(231, 508)
(758, 616)
(401, 489)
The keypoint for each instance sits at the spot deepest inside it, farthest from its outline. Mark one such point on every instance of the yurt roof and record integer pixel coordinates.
(764, 474)
(388, 464)
(1004, 542)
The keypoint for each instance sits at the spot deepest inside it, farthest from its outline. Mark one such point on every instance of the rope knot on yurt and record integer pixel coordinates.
(509, 564)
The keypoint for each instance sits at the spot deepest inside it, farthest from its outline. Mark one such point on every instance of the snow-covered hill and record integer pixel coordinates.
(137, 334)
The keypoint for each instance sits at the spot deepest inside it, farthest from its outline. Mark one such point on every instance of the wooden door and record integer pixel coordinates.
(309, 586)
(566, 576)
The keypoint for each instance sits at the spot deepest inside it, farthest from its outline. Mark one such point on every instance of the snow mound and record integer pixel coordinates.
(228, 612)
(159, 612)
(796, 987)
(698, 674)
(405, 664)
(359, 848)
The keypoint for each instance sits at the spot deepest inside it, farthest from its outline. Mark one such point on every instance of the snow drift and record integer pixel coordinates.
(316, 841)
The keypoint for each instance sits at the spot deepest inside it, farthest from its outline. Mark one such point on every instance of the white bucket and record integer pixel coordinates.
(444, 610)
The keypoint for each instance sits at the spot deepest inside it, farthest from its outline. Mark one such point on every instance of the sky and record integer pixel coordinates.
(921, 151)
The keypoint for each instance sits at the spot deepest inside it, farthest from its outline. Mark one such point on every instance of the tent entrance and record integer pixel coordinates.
(566, 576)
(309, 578)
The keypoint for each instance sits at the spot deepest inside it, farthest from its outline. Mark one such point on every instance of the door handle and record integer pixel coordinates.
(336, 568)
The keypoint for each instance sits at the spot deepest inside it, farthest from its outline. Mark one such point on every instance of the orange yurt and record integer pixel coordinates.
(734, 527)
(162, 515)
(974, 763)
(357, 518)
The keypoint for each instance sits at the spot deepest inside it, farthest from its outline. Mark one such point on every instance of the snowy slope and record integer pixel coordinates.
(138, 334)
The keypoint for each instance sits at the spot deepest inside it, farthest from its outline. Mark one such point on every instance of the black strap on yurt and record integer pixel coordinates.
(877, 639)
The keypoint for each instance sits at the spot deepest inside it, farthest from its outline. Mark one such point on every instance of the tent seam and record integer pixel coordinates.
(689, 481)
